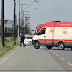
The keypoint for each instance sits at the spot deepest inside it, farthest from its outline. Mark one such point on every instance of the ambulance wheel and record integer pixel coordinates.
(37, 45)
(49, 47)
(61, 46)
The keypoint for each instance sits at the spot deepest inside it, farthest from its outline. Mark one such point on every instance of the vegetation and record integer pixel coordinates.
(27, 29)
(8, 45)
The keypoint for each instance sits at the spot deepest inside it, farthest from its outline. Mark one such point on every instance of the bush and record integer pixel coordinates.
(8, 41)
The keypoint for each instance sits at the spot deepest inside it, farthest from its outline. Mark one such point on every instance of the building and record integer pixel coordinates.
(8, 24)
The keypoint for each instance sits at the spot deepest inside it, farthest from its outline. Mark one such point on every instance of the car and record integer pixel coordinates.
(28, 40)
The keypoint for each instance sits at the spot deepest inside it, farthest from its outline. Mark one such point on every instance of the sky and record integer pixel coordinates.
(46, 10)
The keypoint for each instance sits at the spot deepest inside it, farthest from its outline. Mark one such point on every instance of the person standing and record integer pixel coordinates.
(22, 40)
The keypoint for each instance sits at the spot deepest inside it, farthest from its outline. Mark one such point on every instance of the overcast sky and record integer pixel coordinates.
(47, 10)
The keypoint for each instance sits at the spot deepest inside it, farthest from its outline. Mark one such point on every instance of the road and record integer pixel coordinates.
(28, 59)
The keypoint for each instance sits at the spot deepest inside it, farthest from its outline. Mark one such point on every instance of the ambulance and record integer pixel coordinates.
(54, 34)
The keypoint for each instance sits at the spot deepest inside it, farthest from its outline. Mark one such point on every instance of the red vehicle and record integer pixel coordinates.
(38, 28)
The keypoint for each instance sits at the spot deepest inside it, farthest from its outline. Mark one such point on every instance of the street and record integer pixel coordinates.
(37, 22)
(28, 59)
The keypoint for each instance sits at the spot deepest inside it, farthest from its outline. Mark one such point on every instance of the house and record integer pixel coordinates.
(8, 24)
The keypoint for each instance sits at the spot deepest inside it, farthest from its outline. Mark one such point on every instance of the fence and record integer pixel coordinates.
(8, 34)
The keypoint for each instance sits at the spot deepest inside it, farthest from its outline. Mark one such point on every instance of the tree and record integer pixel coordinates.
(27, 29)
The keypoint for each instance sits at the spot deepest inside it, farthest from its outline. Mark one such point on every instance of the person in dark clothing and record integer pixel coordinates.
(22, 40)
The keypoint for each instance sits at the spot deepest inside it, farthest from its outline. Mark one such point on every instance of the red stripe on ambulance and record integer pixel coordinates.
(58, 24)
(55, 40)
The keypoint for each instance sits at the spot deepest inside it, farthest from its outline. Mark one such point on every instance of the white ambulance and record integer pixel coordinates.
(54, 34)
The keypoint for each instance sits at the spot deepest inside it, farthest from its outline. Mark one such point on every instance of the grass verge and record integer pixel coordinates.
(9, 44)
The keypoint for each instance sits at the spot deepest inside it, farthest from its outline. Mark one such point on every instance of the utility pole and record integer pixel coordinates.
(21, 28)
(19, 21)
(2, 21)
(14, 23)
(23, 25)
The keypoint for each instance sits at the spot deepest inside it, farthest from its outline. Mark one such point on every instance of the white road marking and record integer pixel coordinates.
(62, 58)
(69, 64)
(8, 57)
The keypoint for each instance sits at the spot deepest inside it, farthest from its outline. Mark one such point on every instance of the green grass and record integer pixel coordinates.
(8, 41)
(8, 45)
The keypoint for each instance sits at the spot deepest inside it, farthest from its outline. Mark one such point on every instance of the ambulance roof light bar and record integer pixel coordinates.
(56, 21)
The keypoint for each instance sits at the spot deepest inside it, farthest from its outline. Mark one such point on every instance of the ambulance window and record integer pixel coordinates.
(43, 31)
(37, 31)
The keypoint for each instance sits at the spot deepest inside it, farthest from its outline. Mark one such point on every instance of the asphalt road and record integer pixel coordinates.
(28, 59)
(63, 57)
